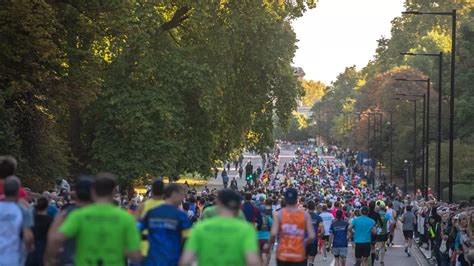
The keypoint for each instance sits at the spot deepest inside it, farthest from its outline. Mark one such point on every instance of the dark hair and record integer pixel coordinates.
(8, 166)
(365, 210)
(408, 208)
(11, 185)
(311, 205)
(268, 202)
(186, 206)
(325, 207)
(172, 188)
(104, 184)
(337, 204)
(229, 198)
(41, 204)
(248, 196)
(339, 214)
(157, 187)
(83, 187)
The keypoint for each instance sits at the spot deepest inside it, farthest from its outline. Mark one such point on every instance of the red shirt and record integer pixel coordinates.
(333, 212)
(22, 194)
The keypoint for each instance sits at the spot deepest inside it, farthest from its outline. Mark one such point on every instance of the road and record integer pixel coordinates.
(395, 255)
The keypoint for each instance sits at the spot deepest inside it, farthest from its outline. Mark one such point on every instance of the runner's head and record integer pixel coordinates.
(11, 186)
(103, 186)
(83, 188)
(365, 210)
(339, 214)
(174, 194)
(229, 200)
(291, 196)
(157, 188)
(41, 204)
(8, 165)
(311, 205)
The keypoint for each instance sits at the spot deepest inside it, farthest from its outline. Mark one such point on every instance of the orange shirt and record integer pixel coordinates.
(292, 233)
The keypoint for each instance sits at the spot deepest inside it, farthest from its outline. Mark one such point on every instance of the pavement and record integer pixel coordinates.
(395, 254)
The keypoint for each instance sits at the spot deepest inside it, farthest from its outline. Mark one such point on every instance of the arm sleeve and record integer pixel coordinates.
(132, 235)
(70, 227)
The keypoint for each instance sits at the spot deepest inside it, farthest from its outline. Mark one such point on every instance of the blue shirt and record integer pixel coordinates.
(339, 231)
(165, 225)
(362, 229)
(315, 221)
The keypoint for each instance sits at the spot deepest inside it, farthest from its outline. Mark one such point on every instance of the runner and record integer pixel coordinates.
(15, 224)
(156, 200)
(167, 227)
(339, 231)
(409, 222)
(363, 227)
(81, 198)
(291, 224)
(264, 230)
(382, 234)
(317, 221)
(104, 233)
(222, 240)
(40, 232)
(392, 222)
(327, 218)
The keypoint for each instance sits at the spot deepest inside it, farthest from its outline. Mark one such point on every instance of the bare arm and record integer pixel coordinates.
(55, 242)
(274, 230)
(133, 255)
(29, 239)
(309, 229)
(252, 259)
(139, 212)
(187, 258)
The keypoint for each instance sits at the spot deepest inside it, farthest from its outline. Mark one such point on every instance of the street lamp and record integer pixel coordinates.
(453, 15)
(425, 165)
(438, 139)
(414, 137)
(424, 174)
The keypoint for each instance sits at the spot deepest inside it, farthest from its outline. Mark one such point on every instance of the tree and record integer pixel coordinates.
(313, 91)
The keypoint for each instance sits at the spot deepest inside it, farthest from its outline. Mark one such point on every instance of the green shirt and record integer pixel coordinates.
(222, 241)
(103, 232)
(211, 212)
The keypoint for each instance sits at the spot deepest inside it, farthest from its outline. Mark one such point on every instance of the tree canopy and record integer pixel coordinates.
(140, 87)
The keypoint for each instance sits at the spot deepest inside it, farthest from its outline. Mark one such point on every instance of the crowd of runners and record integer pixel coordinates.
(310, 206)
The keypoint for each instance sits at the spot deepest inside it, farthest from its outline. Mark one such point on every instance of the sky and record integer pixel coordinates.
(341, 33)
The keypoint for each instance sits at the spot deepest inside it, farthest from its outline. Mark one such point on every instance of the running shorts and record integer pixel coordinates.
(362, 250)
(312, 249)
(408, 234)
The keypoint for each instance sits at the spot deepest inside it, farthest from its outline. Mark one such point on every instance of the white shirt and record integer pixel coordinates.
(327, 221)
(11, 221)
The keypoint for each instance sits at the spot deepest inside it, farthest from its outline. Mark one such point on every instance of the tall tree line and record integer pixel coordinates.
(142, 87)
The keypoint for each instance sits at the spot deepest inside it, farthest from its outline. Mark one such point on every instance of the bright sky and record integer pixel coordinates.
(341, 33)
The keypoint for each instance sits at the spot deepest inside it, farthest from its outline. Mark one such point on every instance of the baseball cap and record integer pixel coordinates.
(291, 196)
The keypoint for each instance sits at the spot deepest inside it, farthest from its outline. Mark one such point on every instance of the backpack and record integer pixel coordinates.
(265, 222)
(382, 225)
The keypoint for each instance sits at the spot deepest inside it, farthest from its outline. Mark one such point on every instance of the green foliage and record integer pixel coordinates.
(140, 87)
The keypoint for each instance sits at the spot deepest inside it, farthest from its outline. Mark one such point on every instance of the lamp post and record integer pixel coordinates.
(438, 135)
(453, 15)
(424, 174)
(414, 137)
(426, 103)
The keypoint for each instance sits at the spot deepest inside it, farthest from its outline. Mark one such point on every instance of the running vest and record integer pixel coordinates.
(292, 233)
